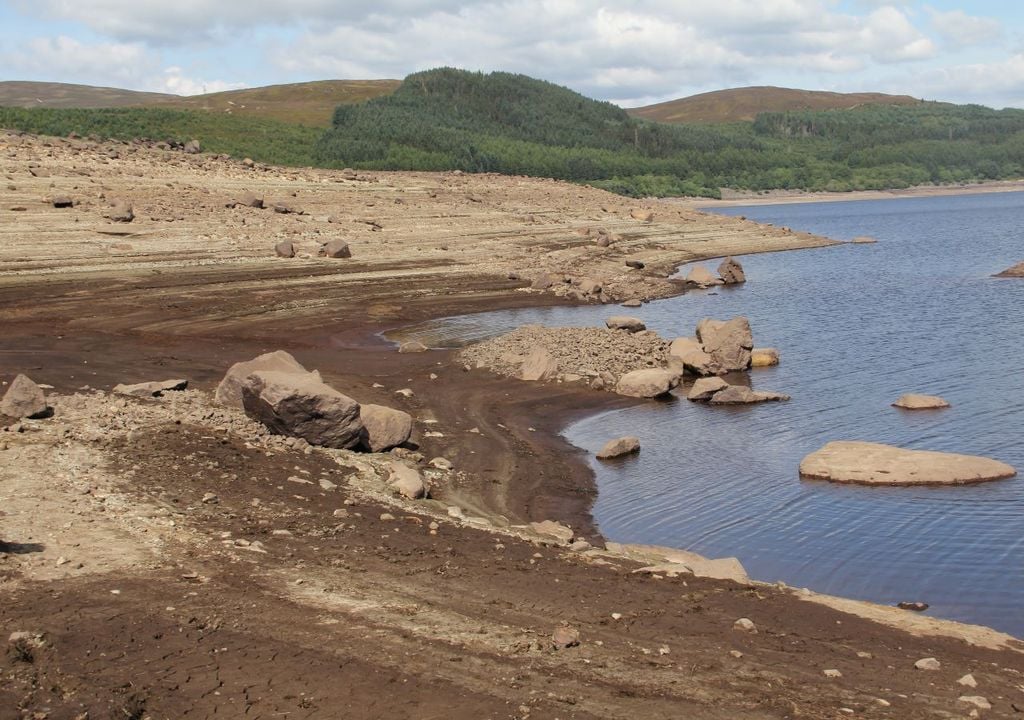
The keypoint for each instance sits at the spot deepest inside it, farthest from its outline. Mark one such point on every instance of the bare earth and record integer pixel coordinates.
(170, 559)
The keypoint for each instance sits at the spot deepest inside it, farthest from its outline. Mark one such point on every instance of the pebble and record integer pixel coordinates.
(882, 702)
(833, 673)
(968, 681)
(745, 625)
(210, 499)
(928, 664)
(327, 484)
(565, 636)
(977, 701)
(386, 517)
(736, 654)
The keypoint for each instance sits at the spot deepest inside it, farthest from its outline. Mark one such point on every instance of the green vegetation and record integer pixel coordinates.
(451, 119)
(262, 140)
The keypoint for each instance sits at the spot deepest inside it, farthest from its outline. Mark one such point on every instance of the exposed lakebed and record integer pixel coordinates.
(857, 326)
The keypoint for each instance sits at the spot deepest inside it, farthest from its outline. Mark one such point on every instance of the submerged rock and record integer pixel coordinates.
(701, 277)
(875, 464)
(742, 395)
(920, 402)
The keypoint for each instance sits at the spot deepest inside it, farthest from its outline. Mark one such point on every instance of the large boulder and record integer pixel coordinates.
(625, 322)
(742, 395)
(867, 463)
(384, 427)
(229, 391)
(619, 447)
(647, 383)
(729, 342)
(920, 402)
(731, 272)
(152, 389)
(301, 405)
(539, 365)
(705, 388)
(24, 399)
(406, 481)
(680, 347)
(701, 277)
(700, 363)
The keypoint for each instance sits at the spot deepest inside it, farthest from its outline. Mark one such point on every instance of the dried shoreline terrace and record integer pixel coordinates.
(167, 558)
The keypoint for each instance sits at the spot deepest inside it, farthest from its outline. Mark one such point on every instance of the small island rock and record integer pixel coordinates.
(619, 447)
(920, 402)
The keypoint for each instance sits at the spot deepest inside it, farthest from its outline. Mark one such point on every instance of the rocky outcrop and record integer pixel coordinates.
(24, 399)
(383, 427)
(229, 391)
(539, 365)
(764, 357)
(920, 402)
(731, 272)
(875, 464)
(619, 447)
(152, 389)
(729, 343)
(1013, 272)
(650, 383)
(625, 322)
(705, 388)
(301, 405)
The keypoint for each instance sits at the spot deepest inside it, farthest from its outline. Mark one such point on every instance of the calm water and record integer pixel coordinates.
(856, 326)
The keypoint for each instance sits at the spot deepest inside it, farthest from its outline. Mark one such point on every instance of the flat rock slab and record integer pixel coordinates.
(920, 402)
(866, 463)
(152, 389)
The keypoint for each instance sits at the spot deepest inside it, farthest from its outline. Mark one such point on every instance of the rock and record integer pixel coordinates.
(636, 264)
(384, 427)
(625, 322)
(589, 286)
(764, 357)
(62, 201)
(920, 402)
(729, 342)
(412, 346)
(553, 529)
(642, 215)
(250, 200)
(229, 391)
(406, 481)
(648, 383)
(745, 625)
(875, 464)
(285, 249)
(210, 499)
(864, 240)
(632, 303)
(1013, 272)
(742, 395)
(335, 249)
(301, 405)
(284, 208)
(619, 447)
(24, 399)
(914, 606)
(565, 637)
(731, 272)
(120, 211)
(192, 147)
(680, 347)
(968, 681)
(976, 700)
(539, 365)
(441, 463)
(704, 388)
(832, 674)
(720, 569)
(928, 664)
(152, 389)
(701, 277)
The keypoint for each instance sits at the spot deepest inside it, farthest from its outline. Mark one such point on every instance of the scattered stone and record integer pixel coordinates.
(441, 463)
(249, 199)
(229, 391)
(62, 201)
(384, 427)
(920, 402)
(284, 208)
(727, 342)
(928, 664)
(539, 366)
(619, 447)
(210, 499)
(24, 399)
(565, 637)
(650, 383)
(864, 240)
(405, 392)
(913, 606)
(977, 701)
(327, 485)
(636, 264)
(152, 389)
(1015, 272)
(553, 529)
(705, 388)
(406, 481)
(875, 464)
(192, 147)
(625, 322)
(632, 303)
(832, 674)
(764, 357)
(412, 346)
(742, 395)
(335, 249)
(745, 625)
(731, 272)
(968, 681)
(729, 568)
(701, 277)
(285, 249)
(301, 405)
(386, 517)
(120, 211)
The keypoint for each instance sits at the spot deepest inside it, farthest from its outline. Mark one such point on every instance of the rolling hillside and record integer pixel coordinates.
(310, 103)
(744, 104)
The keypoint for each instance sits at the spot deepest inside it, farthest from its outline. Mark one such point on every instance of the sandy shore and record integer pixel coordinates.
(150, 601)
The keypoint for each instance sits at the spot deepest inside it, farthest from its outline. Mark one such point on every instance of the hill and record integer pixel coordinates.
(744, 104)
(310, 103)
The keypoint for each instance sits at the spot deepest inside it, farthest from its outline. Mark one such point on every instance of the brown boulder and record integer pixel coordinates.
(24, 399)
(151, 389)
(728, 343)
(700, 363)
(335, 249)
(120, 211)
(285, 249)
(63, 201)
(251, 200)
(619, 447)
(731, 272)
(647, 383)
(705, 388)
(683, 346)
(192, 147)
(302, 406)
(406, 481)
(229, 391)
(625, 322)
(384, 427)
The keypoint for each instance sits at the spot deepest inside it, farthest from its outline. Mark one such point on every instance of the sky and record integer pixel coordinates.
(631, 53)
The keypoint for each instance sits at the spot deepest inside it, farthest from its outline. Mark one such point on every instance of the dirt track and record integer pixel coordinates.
(347, 614)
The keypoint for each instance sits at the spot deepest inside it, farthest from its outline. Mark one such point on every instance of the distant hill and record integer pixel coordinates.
(743, 104)
(310, 103)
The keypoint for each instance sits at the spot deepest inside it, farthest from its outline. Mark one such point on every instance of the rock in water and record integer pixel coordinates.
(625, 322)
(229, 392)
(705, 388)
(875, 464)
(680, 347)
(24, 399)
(384, 427)
(302, 406)
(619, 447)
(742, 395)
(701, 277)
(920, 402)
(1015, 272)
(649, 383)
(729, 343)
(731, 272)
(152, 389)
(764, 357)
(864, 240)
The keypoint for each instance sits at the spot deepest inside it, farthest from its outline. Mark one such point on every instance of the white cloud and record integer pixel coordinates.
(175, 82)
(960, 30)
(997, 84)
(68, 58)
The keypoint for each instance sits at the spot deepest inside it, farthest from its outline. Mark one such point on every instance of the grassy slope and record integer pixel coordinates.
(743, 104)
